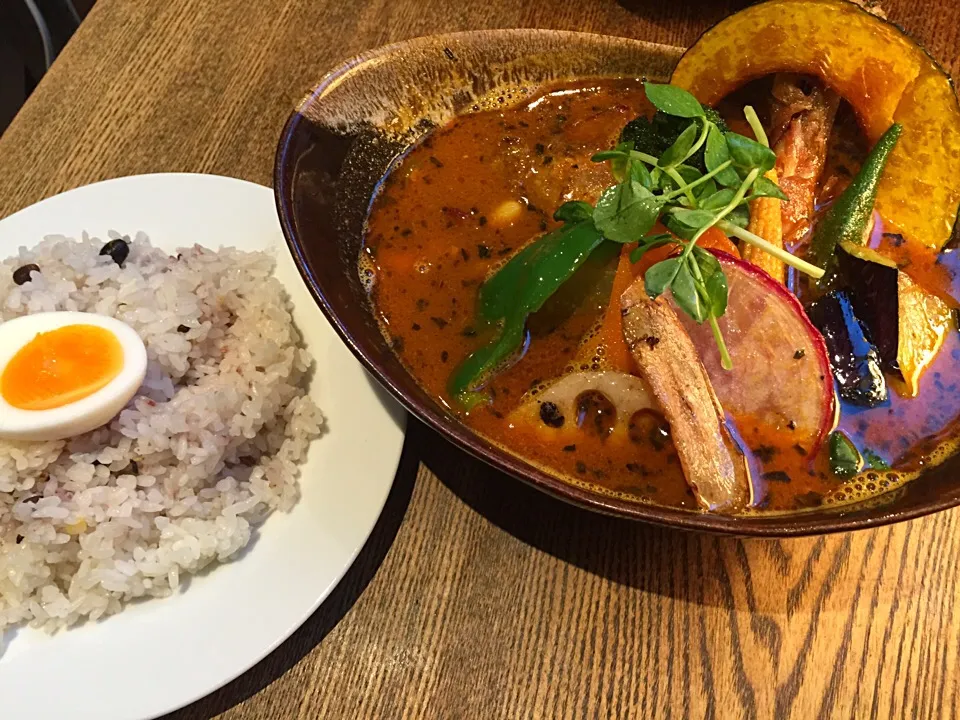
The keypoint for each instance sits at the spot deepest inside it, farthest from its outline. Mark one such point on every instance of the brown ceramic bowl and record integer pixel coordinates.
(344, 136)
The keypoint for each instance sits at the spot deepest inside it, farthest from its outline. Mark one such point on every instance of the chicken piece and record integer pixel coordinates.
(554, 167)
(766, 221)
(715, 469)
(802, 116)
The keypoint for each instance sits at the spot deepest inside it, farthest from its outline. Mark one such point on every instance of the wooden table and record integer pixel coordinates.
(477, 597)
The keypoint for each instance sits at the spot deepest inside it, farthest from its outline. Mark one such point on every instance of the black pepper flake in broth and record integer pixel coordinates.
(765, 453)
(776, 476)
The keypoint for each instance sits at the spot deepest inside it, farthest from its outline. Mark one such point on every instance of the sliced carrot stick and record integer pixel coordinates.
(714, 239)
(609, 342)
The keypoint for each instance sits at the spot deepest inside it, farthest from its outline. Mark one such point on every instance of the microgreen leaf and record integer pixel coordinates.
(739, 216)
(687, 173)
(718, 292)
(765, 187)
(673, 100)
(692, 218)
(707, 189)
(709, 265)
(657, 177)
(715, 283)
(678, 228)
(574, 211)
(627, 211)
(748, 154)
(685, 294)
(649, 243)
(638, 172)
(718, 200)
(619, 159)
(605, 155)
(659, 277)
(658, 238)
(677, 153)
(754, 122)
(718, 153)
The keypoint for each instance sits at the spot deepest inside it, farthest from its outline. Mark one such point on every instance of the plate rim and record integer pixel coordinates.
(390, 408)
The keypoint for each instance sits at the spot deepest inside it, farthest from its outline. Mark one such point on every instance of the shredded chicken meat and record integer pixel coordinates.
(802, 116)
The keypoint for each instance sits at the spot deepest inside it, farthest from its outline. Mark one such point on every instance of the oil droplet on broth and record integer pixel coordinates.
(367, 270)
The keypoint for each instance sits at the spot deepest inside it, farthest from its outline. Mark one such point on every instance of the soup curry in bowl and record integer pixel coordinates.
(714, 291)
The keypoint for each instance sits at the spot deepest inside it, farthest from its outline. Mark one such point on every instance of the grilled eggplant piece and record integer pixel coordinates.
(873, 293)
(905, 322)
(853, 358)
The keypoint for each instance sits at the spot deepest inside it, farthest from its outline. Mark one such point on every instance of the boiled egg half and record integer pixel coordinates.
(66, 373)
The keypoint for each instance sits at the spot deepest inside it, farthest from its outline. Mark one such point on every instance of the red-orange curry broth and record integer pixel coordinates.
(473, 193)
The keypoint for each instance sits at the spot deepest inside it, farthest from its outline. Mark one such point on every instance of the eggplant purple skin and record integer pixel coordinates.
(853, 357)
(874, 293)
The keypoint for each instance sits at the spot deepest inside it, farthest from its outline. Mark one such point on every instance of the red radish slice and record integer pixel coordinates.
(781, 372)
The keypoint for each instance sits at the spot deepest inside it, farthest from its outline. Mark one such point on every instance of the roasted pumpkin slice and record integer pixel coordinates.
(924, 323)
(881, 72)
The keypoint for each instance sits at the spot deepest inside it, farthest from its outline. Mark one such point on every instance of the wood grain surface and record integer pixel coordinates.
(477, 597)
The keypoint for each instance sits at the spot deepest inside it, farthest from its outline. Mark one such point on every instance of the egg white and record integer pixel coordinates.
(87, 413)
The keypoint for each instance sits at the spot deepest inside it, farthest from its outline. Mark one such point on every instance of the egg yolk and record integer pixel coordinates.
(60, 367)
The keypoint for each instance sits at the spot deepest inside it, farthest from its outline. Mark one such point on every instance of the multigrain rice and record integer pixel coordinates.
(206, 450)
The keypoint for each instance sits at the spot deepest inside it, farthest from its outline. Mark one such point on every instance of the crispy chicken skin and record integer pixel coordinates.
(669, 363)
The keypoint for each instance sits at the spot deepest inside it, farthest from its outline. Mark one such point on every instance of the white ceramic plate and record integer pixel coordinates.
(159, 655)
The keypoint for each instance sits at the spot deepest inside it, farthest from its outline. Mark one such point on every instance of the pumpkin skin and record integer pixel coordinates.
(884, 75)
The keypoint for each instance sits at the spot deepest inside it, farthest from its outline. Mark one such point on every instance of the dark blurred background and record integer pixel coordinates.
(32, 33)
